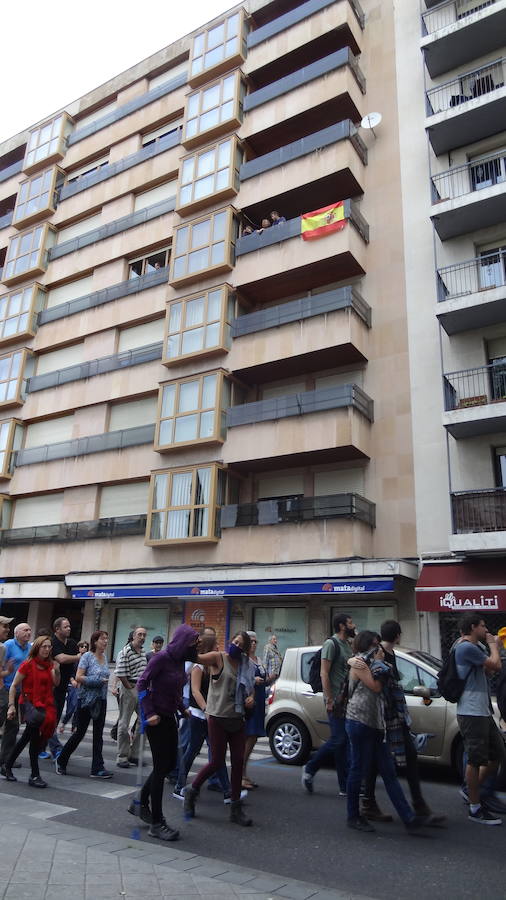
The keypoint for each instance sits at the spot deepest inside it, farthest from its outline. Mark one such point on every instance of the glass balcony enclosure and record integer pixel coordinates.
(47, 143)
(185, 504)
(199, 324)
(18, 312)
(37, 197)
(220, 47)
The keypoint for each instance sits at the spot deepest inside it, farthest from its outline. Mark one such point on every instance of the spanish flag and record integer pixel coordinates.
(317, 224)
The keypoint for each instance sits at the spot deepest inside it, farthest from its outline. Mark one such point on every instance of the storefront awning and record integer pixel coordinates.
(459, 587)
(350, 587)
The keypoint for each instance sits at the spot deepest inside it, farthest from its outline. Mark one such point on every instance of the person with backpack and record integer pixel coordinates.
(333, 659)
(482, 739)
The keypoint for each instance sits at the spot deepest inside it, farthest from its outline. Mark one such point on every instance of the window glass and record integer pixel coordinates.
(44, 141)
(198, 323)
(216, 44)
(210, 106)
(169, 396)
(194, 410)
(10, 368)
(195, 311)
(23, 252)
(15, 309)
(147, 265)
(188, 396)
(408, 674)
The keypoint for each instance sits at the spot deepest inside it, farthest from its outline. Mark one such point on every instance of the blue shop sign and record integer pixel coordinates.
(238, 589)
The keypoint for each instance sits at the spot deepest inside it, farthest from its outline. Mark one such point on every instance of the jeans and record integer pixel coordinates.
(128, 705)
(218, 739)
(367, 748)
(412, 771)
(163, 740)
(83, 720)
(198, 734)
(337, 744)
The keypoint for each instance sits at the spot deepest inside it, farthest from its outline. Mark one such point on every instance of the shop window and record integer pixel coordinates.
(11, 437)
(200, 323)
(47, 142)
(213, 109)
(37, 197)
(146, 265)
(211, 174)
(13, 371)
(27, 253)
(154, 620)
(18, 311)
(185, 505)
(204, 245)
(217, 48)
(193, 411)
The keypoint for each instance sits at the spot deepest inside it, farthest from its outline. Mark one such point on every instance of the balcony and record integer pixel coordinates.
(472, 294)
(475, 400)
(293, 17)
(453, 31)
(117, 526)
(469, 197)
(89, 369)
(468, 108)
(293, 510)
(479, 521)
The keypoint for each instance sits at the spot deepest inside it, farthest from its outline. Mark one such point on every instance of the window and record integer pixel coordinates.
(210, 173)
(193, 410)
(67, 356)
(153, 137)
(200, 323)
(42, 509)
(493, 267)
(11, 377)
(146, 265)
(27, 253)
(213, 109)
(488, 170)
(78, 228)
(47, 142)
(185, 504)
(222, 45)
(18, 310)
(140, 335)
(11, 436)
(49, 431)
(132, 414)
(128, 499)
(37, 197)
(203, 245)
(155, 195)
(71, 290)
(87, 169)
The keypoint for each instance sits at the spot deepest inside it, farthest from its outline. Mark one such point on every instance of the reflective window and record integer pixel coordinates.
(210, 171)
(146, 265)
(199, 323)
(36, 196)
(11, 373)
(212, 47)
(26, 253)
(210, 107)
(190, 411)
(17, 311)
(47, 141)
(203, 244)
(11, 435)
(184, 505)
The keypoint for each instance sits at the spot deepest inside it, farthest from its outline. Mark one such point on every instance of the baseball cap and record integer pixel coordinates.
(158, 639)
(5, 621)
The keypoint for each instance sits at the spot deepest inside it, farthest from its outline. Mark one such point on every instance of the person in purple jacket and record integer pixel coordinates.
(160, 689)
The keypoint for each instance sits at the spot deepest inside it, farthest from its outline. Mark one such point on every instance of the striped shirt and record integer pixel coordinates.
(130, 664)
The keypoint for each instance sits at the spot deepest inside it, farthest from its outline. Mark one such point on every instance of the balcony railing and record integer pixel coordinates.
(84, 446)
(469, 177)
(479, 511)
(304, 308)
(449, 13)
(338, 397)
(479, 274)
(136, 357)
(468, 86)
(299, 509)
(11, 170)
(117, 526)
(475, 387)
(287, 20)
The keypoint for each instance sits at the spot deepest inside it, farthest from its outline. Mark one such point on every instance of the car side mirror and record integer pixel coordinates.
(422, 691)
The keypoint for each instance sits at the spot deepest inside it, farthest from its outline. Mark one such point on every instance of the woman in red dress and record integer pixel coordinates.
(35, 679)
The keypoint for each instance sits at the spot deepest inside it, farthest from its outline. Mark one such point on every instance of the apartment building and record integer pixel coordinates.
(455, 246)
(198, 424)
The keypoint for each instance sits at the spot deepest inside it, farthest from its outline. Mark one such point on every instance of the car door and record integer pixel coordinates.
(312, 703)
(427, 717)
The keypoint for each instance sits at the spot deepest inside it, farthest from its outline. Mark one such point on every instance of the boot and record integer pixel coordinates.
(190, 797)
(237, 815)
(370, 810)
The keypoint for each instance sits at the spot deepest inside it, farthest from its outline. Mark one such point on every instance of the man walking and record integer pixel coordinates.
(130, 663)
(334, 670)
(5, 669)
(272, 659)
(66, 653)
(483, 742)
(16, 651)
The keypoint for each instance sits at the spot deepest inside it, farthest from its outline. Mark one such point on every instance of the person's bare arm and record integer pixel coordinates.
(325, 677)
(493, 662)
(196, 684)
(365, 676)
(66, 658)
(55, 673)
(212, 659)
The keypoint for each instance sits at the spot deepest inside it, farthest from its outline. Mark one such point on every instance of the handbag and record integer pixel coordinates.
(32, 715)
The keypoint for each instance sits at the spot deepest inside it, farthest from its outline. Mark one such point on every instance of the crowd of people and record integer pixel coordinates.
(273, 218)
(191, 691)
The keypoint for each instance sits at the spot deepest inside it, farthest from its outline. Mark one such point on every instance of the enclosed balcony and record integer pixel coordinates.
(479, 521)
(475, 400)
(472, 294)
(469, 197)
(299, 509)
(453, 31)
(467, 108)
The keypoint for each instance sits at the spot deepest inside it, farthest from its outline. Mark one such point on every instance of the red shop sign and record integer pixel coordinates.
(447, 599)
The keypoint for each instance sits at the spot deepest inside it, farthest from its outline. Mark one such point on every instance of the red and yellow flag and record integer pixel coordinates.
(317, 224)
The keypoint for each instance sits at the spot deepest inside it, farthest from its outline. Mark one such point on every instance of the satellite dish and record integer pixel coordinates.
(371, 121)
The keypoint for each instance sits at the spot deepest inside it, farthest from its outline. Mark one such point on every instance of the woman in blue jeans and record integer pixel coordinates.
(365, 727)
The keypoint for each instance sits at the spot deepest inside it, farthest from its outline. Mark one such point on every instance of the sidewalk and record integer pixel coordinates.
(43, 860)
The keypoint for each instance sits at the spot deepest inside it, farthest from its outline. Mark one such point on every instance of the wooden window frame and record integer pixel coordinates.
(61, 126)
(56, 178)
(17, 399)
(222, 125)
(217, 436)
(13, 426)
(226, 265)
(6, 505)
(212, 506)
(216, 195)
(198, 75)
(37, 302)
(40, 264)
(228, 295)
(144, 258)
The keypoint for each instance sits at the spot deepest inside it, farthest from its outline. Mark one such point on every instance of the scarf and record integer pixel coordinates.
(39, 691)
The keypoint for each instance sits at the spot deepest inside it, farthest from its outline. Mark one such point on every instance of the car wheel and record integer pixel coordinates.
(290, 741)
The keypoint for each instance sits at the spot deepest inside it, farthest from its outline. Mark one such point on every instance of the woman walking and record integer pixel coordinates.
(92, 677)
(255, 723)
(230, 694)
(160, 689)
(36, 678)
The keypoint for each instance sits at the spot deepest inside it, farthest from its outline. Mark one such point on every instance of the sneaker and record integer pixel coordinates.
(37, 782)
(59, 769)
(484, 817)
(44, 755)
(494, 804)
(144, 812)
(360, 824)
(227, 796)
(163, 832)
(7, 774)
(124, 764)
(307, 781)
(178, 793)
(102, 773)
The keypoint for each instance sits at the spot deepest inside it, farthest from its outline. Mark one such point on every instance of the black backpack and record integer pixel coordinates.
(314, 677)
(449, 683)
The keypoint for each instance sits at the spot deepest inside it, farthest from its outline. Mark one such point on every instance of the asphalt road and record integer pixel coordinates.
(295, 834)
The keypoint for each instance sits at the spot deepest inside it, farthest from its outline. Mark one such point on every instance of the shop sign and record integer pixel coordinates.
(486, 599)
(238, 589)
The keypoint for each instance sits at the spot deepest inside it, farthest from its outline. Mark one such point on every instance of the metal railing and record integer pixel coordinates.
(117, 526)
(449, 13)
(287, 20)
(136, 357)
(475, 387)
(468, 86)
(337, 397)
(11, 170)
(480, 274)
(470, 177)
(479, 511)
(304, 308)
(299, 509)
(84, 446)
